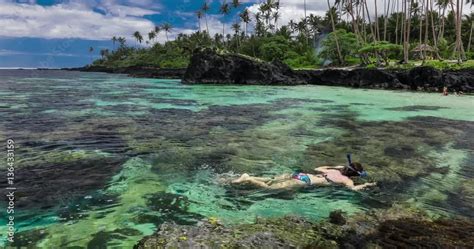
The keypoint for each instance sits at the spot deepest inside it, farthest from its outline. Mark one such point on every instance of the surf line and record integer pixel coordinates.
(10, 196)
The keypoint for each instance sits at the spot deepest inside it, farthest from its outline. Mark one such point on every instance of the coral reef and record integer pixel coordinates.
(394, 228)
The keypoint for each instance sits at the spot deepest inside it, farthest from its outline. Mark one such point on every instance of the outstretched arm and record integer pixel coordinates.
(326, 168)
(361, 186)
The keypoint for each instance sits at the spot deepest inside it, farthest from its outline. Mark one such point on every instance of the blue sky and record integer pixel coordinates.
(58, 33)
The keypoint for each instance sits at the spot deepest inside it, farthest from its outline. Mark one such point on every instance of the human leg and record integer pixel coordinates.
(245, 178)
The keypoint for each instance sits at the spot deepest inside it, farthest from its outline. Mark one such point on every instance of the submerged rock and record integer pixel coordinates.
(209, 66)
(289, 232)
(394, 228)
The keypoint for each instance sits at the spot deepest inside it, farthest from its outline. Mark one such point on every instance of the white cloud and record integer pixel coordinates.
(72, 20)
(136, 8)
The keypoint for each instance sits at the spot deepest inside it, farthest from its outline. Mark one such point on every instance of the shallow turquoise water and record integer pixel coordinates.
(103, 160)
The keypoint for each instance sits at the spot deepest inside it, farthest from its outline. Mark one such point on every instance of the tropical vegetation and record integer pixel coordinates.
(349, 33)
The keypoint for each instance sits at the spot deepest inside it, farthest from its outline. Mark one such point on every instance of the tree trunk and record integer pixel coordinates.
(461, 45)
(377, 30)
(370, 22)
(364, 29)
(305, 9)
(435, 42)
(406, 32)
(470, 38)
(457, 47)
(396, 23)
(245, 29)
(355, 28)
(421, 8)
(443, 20)
(426, 23)
(385, 22)
(207, 26)
(339, 55)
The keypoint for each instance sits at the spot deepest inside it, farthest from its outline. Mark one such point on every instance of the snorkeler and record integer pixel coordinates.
(445, 91)
(326, 175)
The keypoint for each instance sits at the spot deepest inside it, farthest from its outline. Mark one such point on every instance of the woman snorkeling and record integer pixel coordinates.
(325, 175)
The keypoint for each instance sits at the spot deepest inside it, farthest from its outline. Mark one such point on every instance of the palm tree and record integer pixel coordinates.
(91, 50)
(104, 53)
(293, 26)
(236, 28)
(471, 19)
(121, 41)
(199, 16)
(235, 3)
(224, 10)
(408, 9)
(276, 16)
(167, 28)
(377, 31)
(151, 35)
(114, 40)
(433, 30)
(245, 17)
(459, 46)
(386, 21)
(259, 25)
(301, 27)
(305, 9)
(442, 5)
(138, 37)
(339, 55)
(374, 36)
(205, 8)
(157, 31)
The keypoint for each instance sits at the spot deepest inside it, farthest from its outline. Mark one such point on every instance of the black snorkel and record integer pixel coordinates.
(362, 173)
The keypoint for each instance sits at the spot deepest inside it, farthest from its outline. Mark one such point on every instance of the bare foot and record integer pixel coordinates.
(242, 178)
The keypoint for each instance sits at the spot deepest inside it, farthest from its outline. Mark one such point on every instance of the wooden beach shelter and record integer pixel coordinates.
(423, 49)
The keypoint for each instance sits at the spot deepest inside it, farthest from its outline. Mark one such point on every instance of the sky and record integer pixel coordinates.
(58, 33)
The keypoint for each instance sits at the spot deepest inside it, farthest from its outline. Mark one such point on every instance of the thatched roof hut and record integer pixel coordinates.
(423, 48)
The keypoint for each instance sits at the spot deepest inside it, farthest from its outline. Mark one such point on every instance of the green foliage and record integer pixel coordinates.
(371, 66)
(274, 48)
(382, 50)
(307, 60)
(348, 45)
(380, 47)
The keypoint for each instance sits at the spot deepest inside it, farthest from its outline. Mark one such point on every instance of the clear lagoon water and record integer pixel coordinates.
(102, 160)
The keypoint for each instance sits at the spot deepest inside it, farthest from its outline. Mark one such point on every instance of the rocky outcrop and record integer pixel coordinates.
(209, 66)
(136, 71)
(364, 78)
(419, 78)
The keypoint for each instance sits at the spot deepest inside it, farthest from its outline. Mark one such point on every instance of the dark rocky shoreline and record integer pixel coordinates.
(208, 66)
(211, 67)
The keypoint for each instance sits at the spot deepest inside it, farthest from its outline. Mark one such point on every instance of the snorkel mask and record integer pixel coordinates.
(362, 173)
